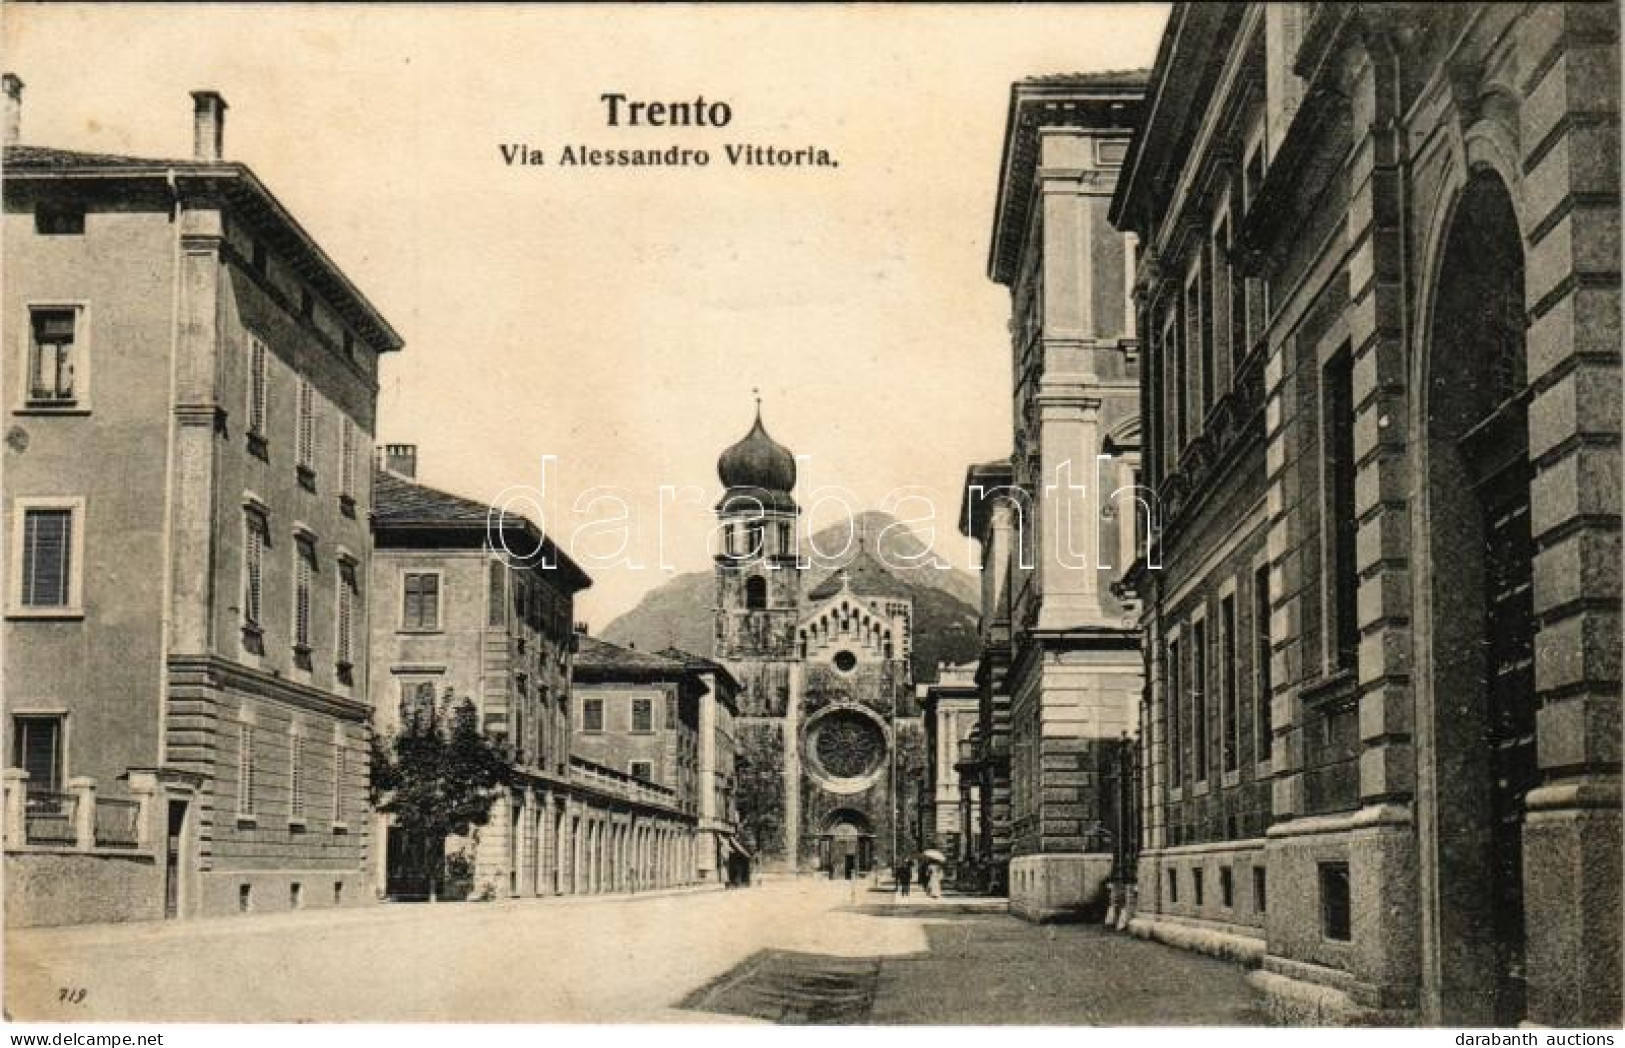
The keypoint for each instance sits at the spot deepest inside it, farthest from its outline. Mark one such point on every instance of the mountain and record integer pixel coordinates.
(677, 613)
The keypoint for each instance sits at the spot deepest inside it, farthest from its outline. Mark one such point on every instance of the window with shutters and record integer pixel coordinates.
(349, 605)
(306, 450)
(496, 594)
(348, 443)
(592, 715)
(296, 777)
(55, 356)
(642, 715)
(36, 747)
(256, 537)
(246, 773)
(47, 555)
(304, 569)
(417, 700)
(341, 774)
(420, 602)
(259, 381)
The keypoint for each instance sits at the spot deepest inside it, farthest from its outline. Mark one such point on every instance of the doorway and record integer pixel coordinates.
(1481, 619)
(174, 842)
(846, 846)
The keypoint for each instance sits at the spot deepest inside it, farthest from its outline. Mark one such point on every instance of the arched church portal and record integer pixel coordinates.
(846, 844)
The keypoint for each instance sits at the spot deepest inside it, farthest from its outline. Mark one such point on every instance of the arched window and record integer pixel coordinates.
(755, 592)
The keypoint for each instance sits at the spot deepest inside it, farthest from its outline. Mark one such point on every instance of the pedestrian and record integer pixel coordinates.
(935, 891)
(905, 876)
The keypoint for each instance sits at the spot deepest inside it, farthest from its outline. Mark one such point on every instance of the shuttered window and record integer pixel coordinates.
(254, 543)
(341, 772)
(347, 445)
(257, 387)
(245, 770)
(421, 602)
(307, 424)
(47, 557)
(296, 775)
(304, 567)
(37, 749)
(642, 715)
(348, 601)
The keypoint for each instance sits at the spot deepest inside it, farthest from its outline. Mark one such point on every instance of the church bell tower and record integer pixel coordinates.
(758, 605)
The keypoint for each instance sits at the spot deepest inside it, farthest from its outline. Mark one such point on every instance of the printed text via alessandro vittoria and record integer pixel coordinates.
(620, 111)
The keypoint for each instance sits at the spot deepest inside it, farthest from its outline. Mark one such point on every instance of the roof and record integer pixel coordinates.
(982, 480)
(600, 660)
(864, 576)
(28, 157)
(1107, 100)
(241, 188)
(401, 506)
(701, 664)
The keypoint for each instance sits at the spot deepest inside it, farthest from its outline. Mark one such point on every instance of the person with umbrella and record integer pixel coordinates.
(931, 864)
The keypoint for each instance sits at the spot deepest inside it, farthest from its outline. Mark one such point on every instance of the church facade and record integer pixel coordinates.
(829, 742)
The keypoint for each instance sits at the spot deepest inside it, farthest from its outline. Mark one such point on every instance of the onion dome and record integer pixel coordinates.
(758, 462)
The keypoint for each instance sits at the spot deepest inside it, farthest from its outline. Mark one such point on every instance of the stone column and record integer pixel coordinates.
(83, 789)
(144, 788)
(1572, 834)
(16, 800)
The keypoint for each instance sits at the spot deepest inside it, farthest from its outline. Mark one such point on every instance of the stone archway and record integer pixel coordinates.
(1477, 618)
(846, 843)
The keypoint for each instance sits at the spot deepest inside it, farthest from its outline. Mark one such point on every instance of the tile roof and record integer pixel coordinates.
(23, 156)
(601, 658)
(1097, 78)
(396, 500)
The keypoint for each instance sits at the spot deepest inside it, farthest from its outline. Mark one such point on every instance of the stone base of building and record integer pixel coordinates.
(1060, 887)
(222, 892)
(55, 887)
(1306, 998)
(1230, 942)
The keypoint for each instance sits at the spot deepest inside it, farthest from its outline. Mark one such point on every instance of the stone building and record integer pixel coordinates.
(1074, 672)
(988, 513)
(1380, 291)
(192, 400)
(950, 819)
(454, 620)
(718, 767)
(827, 731)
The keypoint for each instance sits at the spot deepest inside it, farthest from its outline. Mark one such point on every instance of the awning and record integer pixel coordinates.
(734, 846)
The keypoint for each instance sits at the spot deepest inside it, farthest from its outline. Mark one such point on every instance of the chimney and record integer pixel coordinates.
(402, 460)
(12, 84)
(208, 126)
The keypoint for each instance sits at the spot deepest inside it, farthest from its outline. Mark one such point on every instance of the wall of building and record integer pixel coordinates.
(103, 669)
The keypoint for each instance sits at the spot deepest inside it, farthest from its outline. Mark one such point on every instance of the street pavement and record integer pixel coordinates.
(796, 951)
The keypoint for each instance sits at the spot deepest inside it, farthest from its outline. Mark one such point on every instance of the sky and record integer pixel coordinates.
(618, 320)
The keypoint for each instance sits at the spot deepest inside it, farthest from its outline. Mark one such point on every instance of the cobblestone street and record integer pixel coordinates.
(799, 952)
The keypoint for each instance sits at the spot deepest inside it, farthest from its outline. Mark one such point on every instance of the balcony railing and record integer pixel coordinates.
(117, 823)
(49, 818)
(78, 819)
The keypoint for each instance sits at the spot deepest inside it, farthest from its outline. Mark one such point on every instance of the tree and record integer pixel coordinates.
(438, 775)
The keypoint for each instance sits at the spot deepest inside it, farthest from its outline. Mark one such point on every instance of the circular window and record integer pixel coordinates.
(845, 661)
(846, 748)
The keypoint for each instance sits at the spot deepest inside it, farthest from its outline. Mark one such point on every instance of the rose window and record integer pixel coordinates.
(846, 744)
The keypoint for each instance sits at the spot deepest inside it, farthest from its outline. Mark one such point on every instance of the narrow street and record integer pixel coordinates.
(789, 951)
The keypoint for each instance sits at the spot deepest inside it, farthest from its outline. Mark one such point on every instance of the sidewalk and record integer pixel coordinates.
(212, 927)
